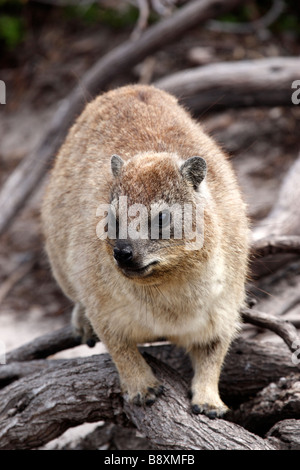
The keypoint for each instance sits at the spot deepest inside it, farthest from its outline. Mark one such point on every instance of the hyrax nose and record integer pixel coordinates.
(123, 255)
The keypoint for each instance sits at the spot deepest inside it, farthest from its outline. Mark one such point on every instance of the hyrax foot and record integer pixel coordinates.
(209, 410)
(213, 408)
(149, 397)
(82, 328)
(145, 396)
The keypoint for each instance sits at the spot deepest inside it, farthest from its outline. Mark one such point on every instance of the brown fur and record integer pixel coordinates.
(191, 297)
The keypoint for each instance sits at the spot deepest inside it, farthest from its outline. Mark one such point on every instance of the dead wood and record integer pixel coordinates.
(11, 372)
(28, 175)
(89, 391)
(281, 327)
(276, 237)
(44, 346)
(64, 396)
(238, 380)
(70, 392)
(284, 218)
(262, 82)
(286, 434)
(190, 432)
(275, 244)
(275, 402)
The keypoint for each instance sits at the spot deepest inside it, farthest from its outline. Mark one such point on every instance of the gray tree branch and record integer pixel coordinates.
(40, 407)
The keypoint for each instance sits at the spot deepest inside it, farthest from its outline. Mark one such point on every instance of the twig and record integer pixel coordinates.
(282, 328)
(291, 303)
(163, 7)
(44, 346)
(275, 244)
(141, 25)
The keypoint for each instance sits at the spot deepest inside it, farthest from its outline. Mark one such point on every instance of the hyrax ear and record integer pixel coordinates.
(116, 165)
(194, 170)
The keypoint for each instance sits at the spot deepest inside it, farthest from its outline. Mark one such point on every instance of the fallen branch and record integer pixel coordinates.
(170, 425)
(275, 244)
(286, 434)
(283, 328)
(9, 373)
(262, 82)
(284, 218)
(44, 346)
(27, 176)
(89, 392)
(276, 402)
(238, 382)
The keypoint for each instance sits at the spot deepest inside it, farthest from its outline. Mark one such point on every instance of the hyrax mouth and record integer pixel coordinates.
(138, 271)
(129, 263)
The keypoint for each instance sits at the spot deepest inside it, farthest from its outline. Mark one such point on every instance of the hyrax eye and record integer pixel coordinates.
(162, 219)
(113, 223)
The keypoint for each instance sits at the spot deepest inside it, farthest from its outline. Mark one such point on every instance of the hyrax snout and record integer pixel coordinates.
(147, 233)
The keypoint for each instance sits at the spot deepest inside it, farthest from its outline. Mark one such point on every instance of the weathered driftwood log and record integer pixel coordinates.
(277, 234)
(262, 82)
(283, 328)
(271, 245)
(284, 218)
(173, 427)
(275, 402)
(286, 434)
(27, 176)
(249, 365)
(44, 346)
(38, 408)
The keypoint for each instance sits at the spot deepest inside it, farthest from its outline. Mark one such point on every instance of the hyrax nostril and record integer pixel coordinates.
(123, 255)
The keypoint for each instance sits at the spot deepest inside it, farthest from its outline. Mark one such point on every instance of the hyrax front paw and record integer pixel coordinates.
(209, 406)
(210, 410)
(146, 395)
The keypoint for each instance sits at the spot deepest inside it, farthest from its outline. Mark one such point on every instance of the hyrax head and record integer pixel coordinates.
(155, 215)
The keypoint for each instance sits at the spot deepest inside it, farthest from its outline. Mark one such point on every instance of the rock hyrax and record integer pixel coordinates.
(138, 153)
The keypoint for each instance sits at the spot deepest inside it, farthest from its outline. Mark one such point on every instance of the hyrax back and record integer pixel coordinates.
(136, 146)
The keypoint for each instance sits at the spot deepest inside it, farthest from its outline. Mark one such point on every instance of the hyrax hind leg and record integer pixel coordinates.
(82, 326)
(207, 361)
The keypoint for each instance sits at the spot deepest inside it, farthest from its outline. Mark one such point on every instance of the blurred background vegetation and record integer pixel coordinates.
(18, 18)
